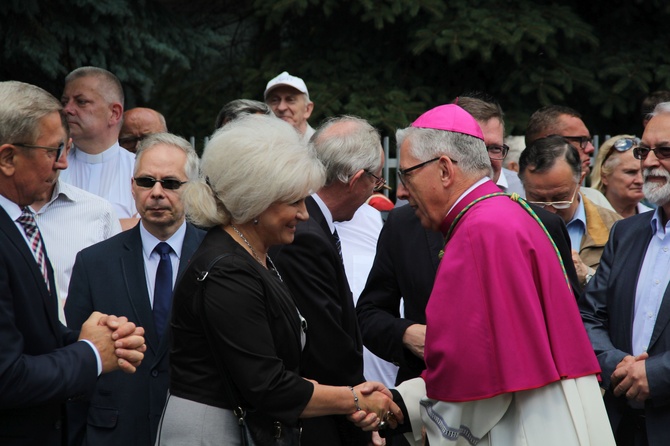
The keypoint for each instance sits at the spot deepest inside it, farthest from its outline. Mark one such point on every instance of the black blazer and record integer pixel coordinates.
(607, 309)
(41, 364)
(404, 268)
(313, 271)
(255, 332)
(110, 277)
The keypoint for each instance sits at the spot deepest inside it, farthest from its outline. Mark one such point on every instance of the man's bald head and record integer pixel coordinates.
(139, 122)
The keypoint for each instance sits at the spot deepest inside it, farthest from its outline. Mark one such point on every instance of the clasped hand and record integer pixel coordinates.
(377, 406)
(630, 378)
(119, 342)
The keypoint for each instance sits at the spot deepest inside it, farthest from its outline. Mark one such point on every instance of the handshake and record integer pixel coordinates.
(375, 409)
(119, 342)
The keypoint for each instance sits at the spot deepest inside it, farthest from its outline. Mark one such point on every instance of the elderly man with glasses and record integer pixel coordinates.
(508, 361)
(550, 170)
(626, 307)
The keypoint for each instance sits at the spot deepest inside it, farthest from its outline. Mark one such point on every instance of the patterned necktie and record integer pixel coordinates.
(338, 243)
(162, 288)
(27, 220)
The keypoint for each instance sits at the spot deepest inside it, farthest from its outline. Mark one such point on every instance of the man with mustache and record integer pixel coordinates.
(626, 307)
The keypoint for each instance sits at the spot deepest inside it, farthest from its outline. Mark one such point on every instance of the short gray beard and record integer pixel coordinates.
(659, 195)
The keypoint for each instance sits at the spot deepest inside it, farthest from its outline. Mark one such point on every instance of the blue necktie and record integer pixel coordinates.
(162, 288)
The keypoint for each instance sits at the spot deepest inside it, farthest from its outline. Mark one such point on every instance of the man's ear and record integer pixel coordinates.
(116, 115)
(447, 170)
(355, 178)
(7, 154)
(308, 109)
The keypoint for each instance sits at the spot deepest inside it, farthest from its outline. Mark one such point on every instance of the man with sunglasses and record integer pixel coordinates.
(567, 122)
(550, 169)
(134, 273)
(43, 364)
(626, 307)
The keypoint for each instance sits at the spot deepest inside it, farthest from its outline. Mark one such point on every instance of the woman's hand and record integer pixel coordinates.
(377, 403)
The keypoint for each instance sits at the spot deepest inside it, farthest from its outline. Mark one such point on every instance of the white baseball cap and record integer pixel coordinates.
(286, 79)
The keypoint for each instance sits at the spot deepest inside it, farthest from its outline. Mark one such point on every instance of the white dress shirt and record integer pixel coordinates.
(107, 175)
(151, 258)
(73, 220)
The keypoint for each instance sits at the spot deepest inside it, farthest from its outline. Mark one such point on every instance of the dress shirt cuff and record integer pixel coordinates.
(97, 355)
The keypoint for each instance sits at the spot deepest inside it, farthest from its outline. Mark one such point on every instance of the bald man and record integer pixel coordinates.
(138, 123)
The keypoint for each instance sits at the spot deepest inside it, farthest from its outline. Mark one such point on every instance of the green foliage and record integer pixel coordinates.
(384, 60)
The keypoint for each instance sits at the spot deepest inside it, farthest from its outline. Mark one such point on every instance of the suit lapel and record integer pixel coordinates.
(50, 301)
(627, 283)
(135, 281)
(315, 213)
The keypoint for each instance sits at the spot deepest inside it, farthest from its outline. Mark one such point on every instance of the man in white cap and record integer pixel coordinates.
(288, 98)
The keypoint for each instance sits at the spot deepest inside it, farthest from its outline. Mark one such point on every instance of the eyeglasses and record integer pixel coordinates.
(59, 150)
(661, 153)
(622, 145)
(402, 173)
(149, 182)
(380, 183)
(582, 140)
(556, 204)
(497, 152)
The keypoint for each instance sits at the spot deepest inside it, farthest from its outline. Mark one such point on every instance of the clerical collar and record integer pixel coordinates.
(98, 158)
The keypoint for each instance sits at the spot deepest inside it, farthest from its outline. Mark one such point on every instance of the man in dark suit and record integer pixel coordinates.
(626, 306)
(312, 268)
(41, 363)
(406, 263)
(123, 275)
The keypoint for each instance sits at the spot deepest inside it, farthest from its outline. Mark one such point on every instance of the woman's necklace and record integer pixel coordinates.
(255, 254)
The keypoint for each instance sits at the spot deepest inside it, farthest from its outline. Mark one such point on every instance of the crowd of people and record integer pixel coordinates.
(270, 293)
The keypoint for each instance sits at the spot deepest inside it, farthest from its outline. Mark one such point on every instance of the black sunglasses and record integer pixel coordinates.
(149, 182)
(661, 153)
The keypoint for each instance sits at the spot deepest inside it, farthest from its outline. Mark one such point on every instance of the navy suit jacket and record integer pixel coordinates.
(41, 364)
(313, 271)
(110, 277)
(607, 309)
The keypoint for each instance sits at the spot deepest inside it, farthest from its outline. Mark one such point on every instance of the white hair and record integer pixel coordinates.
(345, 145)
(468, 151)
(248, 165)
(661, 108)
(192, 161)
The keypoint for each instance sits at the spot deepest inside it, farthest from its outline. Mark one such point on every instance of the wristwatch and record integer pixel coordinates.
(588, 277)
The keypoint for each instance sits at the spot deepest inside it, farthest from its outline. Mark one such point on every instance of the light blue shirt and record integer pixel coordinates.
(577, 226)
(651, 284)
(152, 258)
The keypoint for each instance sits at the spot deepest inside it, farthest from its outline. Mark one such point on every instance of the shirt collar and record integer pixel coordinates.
(97, 158)
(470, 189)
(149, 241)
(325, 211)
(580, 213)
(502, 181)
(13, 210)
(657, 221)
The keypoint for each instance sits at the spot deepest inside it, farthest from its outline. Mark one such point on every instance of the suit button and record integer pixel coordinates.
(154, 373)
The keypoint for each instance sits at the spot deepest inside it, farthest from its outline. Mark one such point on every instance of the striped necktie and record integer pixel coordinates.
(27, 220)
(338, 243)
